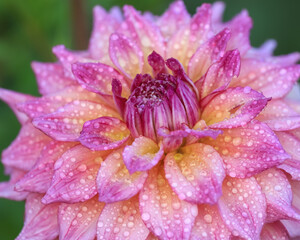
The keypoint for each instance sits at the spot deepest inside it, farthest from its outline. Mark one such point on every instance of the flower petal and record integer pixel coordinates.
(208, 53)
(104, 25)
(145, 34)
(274, 80)
(279, 116)
(293, 228)
(233, 107)
(24, 151)
(38, 179)
(121, 220)
(248, 150)
(243, 207)
(40, 220)
(97, 77)
(51, 77)
(66, 123)
(196, 173)
(104, 133)
(142, 154)
(274, 230)
(291, 144)
(7, 188)
(219, 75)
(114, 182)
(125, 55)
(74, 179)
(12, 99)
(162, 211)
(175, 16)
(277, 190)
(79, 221)
(209, 224)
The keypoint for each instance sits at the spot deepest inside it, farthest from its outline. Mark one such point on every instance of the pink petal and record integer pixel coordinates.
(125, 55)
(68, 57)
(208, 53)
(51, 102)
(279, 116)
(104, 25)
(248, 150)
(291, 144)
(97, 77)
(79, 221)
(51, 77)
(296, 194)
(121, 220)
(172, 140)
(209, 224)
(274, 80)
(293, 228)
(278, 194)
(104, 133)
(219, 75)
(145, 34)
(273, 231)
(142, 154)
(7, 188)
(162, 211)
(38, 179)
(66, 123)
(74, 179)
(196, 173)
(40, 220)
(12, 99)
(243, 207)
(176, 16)
(233, 107)
(217, 10)
(24, 151)
(151, 236)
(114, 182)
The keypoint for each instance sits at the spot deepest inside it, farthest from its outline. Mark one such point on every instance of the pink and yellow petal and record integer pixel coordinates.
(162, 211)
(121, 220)
(114, 182)
(195, 173)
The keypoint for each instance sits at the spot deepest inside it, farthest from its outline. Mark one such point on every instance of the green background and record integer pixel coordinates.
(29, 29)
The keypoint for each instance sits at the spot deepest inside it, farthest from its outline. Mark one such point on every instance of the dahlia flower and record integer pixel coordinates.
(167, 127)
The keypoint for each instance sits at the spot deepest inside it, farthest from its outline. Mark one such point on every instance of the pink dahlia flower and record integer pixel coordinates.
(169, 127)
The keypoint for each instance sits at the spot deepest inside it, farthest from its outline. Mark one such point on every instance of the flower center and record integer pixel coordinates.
(164, 101)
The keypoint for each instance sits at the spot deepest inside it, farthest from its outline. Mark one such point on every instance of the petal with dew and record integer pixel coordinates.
(275, 230)
(195, 173)
(243, 207)
(291, 144)
(12, 99)
(40, 220)
(219, 74)
(79, 221)
(142, 154)
(248, 150)
(114, 182)
(74, 178)
(279, 116)
(233, 107)
(209, 224)
(104, 133)
(207, 54)
(121, 220)
(25, 150)
(7, 189)
(38, 179)
(97, 77)
(277, 189)
(66, 123)
(51, 77)
(125, 55)
(162, 211)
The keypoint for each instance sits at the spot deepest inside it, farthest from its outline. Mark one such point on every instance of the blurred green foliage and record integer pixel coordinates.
(29, 29)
